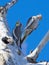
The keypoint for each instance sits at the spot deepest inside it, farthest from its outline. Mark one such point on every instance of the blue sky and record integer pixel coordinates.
(21, 11)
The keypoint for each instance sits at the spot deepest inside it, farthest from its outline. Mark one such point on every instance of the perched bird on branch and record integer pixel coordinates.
(31, 25)
(17, 33)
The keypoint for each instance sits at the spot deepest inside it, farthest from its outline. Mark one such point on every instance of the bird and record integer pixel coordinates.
(31, 25)
(17, 33)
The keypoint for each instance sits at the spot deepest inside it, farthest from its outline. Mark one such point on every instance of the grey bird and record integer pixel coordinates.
(17, 33)
(31, 25)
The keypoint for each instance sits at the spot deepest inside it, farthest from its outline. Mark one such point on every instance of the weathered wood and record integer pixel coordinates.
(9, 53)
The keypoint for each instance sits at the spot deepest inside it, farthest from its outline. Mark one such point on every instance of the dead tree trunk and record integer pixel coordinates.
(9, 53)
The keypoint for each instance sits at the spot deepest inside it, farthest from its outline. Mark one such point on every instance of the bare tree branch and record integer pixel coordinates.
(38, 49)
(10, 4)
